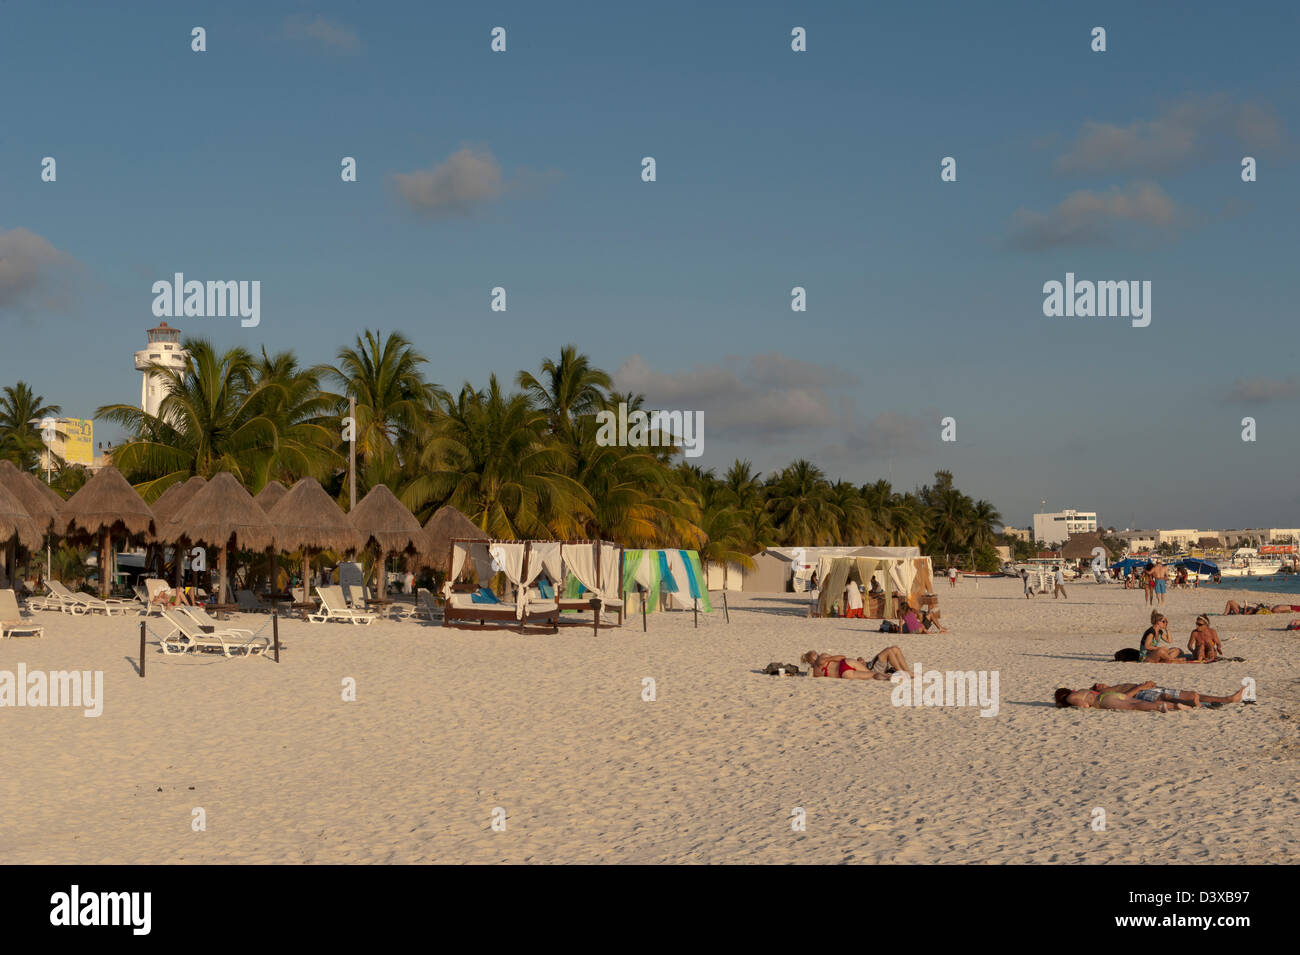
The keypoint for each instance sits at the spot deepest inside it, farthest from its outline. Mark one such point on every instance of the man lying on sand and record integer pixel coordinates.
(1148, 692)
(1112, 699)
(881, 666)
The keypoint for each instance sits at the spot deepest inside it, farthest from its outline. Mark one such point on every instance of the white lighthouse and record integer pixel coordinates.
(164, 349)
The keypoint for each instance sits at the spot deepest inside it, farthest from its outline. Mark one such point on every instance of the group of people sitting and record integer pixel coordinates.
(1156, 646)
(1142, 696)
(910, 620)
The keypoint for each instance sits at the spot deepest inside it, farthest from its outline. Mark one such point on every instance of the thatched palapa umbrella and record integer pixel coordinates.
(168, 503)
(38, 507)
(106, 506)
(387, 527)
(446, 525)
(16, 527)
(308, 518)
(266, 499)
(224, 515)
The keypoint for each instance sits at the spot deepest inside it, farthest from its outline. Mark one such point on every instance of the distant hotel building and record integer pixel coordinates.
(1056, 528)
(164, 349)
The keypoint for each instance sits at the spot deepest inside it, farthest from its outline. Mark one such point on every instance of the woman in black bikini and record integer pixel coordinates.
(881, 666)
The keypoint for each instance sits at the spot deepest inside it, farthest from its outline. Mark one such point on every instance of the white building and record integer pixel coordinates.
(1284, 535)
(164, 349)
(1180, 539)
(1056, 528)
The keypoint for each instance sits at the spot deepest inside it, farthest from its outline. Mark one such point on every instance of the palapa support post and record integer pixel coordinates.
(521, 592)
(697, 612)
(142, 627)
(644, 594)
(595, 546)
(275, 633)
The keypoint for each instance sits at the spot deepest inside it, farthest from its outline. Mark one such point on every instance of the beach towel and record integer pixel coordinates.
(545, 589)
(484, 596)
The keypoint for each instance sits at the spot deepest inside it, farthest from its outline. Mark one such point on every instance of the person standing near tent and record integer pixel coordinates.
(853, 600)
(1060, 583)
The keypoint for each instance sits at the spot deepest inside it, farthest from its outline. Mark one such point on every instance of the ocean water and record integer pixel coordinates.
(1273, 583)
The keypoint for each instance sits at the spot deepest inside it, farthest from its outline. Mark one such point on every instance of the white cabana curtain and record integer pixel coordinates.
(610, 578)
(581, 562)
(677, 567)
(544, 557)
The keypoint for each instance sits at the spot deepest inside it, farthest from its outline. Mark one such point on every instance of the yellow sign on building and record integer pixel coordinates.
(79, 441)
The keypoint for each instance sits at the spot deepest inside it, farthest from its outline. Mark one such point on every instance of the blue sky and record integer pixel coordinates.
(775, 169)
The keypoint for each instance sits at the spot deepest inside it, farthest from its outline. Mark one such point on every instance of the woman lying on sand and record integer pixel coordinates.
(1112, 699)
(881, 666)
(1233, 608)
(1148, 692)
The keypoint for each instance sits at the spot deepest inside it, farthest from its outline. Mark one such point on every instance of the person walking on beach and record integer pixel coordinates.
(1149, 582)
(1160, 575)
(1060, 583)
(952, 577)
(1029, 588)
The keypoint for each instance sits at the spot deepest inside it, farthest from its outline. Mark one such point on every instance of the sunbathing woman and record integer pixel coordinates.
(880, 667)
(1151, 650)
(1111, 699)
(1150, 693)
(930, 622)
(1234, 608)
(1204, 642)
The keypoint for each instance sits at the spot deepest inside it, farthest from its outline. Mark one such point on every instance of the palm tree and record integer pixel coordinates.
(21, 413)
(569, 389)
(382, 373)
(490, 455)
(212, 418)
(309, 435)
(802, 506)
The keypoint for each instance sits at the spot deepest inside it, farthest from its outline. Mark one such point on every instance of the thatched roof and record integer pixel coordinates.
(384, 520)
(38, 506)
(446, 525)
(307, 517)
(270, 496)
(1080, 546)
(221, 513)
(106, 501)
(16, 522)
(173, 499)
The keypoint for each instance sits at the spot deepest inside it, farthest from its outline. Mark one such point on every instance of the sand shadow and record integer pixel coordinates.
(1061, 656)
(1027, 703)
(135, 664)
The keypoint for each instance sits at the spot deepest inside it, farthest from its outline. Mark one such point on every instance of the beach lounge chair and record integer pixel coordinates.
(54, 600)
(249, 603)
(425, 606)
(88, 603)
(186, 636)
(11, 618)
(209, 624)
(333, 607)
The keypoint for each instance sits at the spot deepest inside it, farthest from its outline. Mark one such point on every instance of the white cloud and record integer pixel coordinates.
(466, 181)
(1086, 217)
(328, 35)
(27, 262)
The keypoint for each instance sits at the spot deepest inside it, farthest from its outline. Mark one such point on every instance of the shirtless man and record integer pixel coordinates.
(1113, 698)
(1161, 576)
(1148, 692)
(1204, 642)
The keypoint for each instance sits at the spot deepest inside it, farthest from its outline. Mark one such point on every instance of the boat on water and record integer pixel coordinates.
(1249, 562)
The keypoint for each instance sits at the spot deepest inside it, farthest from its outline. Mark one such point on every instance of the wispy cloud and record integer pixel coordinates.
(1260, 389)
(468, 180)
(1190, 131)
(765, 397)
(29, 264)
(1086, 217)
(327, 35)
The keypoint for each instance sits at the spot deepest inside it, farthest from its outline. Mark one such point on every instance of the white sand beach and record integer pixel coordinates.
(450, 724)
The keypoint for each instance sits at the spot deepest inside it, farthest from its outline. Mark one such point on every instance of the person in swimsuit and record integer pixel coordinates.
(1204, 642)
(1150, 693)
(1151, 650)
(1235, 608)
(930, 622)
(1112, 699)
(880, 667)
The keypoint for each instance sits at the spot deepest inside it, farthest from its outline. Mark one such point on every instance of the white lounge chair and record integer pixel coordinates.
(332, 607)
(11, 618)
(70, 601)
(187, 636)
(209, 624)
(54, 599)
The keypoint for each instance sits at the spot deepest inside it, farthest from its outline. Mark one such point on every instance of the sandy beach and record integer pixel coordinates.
(450, 724)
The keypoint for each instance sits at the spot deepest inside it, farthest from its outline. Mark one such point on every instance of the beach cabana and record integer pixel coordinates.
(520, 565)
(1083, 547)
(222, 515)
(306, 518)
(898, 570)
(386, 527)
(660, 576)
(105, 507)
